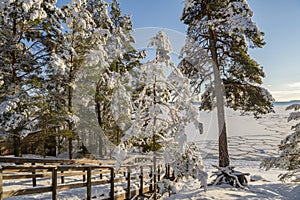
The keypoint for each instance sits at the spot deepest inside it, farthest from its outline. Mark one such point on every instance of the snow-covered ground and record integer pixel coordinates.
(265, 186)
(250, 140)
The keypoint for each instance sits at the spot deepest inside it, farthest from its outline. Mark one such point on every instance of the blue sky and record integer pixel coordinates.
(280, 20)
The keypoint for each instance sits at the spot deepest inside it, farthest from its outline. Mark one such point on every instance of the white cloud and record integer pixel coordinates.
(286, 95)
(294, 85)
(286, 92)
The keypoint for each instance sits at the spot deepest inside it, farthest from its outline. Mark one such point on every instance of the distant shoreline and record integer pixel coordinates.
(285, 103)
(276, 103)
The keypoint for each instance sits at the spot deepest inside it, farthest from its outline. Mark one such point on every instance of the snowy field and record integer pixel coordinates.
(250, 140)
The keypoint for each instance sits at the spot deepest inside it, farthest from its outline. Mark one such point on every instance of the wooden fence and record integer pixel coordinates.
(91, 175)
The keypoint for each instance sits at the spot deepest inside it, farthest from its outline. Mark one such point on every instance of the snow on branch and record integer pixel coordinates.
(161, 109)
(294, 116)
(163, 47)
(293, 107)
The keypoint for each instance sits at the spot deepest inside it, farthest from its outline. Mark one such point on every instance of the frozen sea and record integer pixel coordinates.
(248, 138)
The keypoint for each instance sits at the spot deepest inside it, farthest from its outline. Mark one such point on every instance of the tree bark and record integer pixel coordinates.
(70, 109)
(154, 144)
(16, 136)
(17, 145)
(219, 92)
(101, 154)
(70, 141)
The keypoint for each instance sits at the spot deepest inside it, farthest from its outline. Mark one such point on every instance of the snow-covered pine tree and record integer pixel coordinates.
(289, 157)
(84, 48)
(25, 40)
(52, 112)
(106, 62)
(161, 110)
(225, 30)
(123, 58)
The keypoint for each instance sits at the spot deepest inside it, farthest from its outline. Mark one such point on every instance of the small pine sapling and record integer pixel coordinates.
(189, 163)
(161, 110)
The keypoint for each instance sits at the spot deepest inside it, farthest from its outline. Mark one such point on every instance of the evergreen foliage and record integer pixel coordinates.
(45, 50)
(27, 35)
(123, 58)
(160, 113)
(223, 31)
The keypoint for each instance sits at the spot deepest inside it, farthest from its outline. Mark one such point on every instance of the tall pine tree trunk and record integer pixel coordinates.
(70, 109)
(219, 92)
(101, 154)
(70, 141)
(16, 136)
(154, 144)
(17, 145)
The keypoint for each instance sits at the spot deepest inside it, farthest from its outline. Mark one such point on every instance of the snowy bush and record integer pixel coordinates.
(165, 186)
(289, 157)
(188, 164)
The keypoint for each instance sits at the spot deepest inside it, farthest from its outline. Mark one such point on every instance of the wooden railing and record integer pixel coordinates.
(20, 160)
(89, 175)
(53, 172)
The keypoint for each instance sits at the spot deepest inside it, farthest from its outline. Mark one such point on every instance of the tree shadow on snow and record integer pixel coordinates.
(271, 191)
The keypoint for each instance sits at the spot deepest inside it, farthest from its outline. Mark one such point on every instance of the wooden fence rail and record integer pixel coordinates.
(20, 160)
(92, 175)
(54, 187)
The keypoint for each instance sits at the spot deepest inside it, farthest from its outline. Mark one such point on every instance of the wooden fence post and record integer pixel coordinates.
(141, 181)
(152, 177)
(154, 180)
(34, 177)
(101, 175)
(173, 174)
(83, 176)
(89, 184)
(128, 194)
(54, 184)
(62, 177)
(158, 173)
(112, 183)
(1, 184)
(167, 171)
